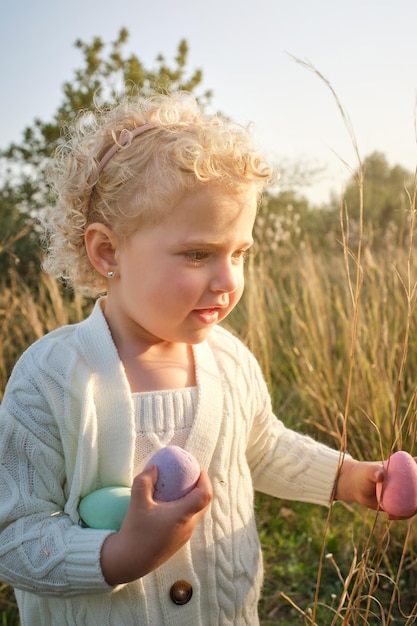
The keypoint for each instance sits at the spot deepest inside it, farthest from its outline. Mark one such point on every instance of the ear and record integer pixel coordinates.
(100, 243)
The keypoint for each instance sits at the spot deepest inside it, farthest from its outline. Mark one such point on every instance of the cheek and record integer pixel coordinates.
(176, 290)
(235, 297)
(242, 281)
(187, 289)
(238, 294)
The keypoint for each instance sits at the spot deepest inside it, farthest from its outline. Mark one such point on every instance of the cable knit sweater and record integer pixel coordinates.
(67, 427)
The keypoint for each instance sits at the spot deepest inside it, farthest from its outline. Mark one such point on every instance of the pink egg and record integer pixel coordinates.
(178, 473)
(397, 495)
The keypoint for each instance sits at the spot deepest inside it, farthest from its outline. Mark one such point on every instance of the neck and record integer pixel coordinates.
(162, 366)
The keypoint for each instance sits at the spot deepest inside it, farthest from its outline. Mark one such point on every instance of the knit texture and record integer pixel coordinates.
(68, 427)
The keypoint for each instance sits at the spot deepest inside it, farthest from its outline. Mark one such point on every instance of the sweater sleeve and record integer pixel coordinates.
(285, 463)
(42, 547)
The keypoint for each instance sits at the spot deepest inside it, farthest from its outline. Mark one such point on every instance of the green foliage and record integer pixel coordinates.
(286, 217)
(306, 566)
(386, 192)
(19, 239)
(8, 609)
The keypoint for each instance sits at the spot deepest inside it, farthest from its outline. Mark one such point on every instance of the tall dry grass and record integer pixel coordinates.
(336, 335)
(337, 339)
(298, 320)
(27, 313)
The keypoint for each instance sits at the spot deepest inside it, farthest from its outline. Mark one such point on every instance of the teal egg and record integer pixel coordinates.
(105, 508)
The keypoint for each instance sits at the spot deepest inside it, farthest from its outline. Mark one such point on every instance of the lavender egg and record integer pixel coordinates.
(178, 473)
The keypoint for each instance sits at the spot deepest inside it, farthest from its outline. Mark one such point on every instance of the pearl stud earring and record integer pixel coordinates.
(111, 274)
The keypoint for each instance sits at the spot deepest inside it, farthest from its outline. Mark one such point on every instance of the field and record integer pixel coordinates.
(333, 326)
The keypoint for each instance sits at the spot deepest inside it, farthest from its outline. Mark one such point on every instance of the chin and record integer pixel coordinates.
(199, 336)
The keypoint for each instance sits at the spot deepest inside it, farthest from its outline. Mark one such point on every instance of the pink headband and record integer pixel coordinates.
(116, 147)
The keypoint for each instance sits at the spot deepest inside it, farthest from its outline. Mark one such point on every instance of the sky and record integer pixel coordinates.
(366, 49)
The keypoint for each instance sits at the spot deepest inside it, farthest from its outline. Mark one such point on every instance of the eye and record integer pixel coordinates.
(242, 254)
(197, 256)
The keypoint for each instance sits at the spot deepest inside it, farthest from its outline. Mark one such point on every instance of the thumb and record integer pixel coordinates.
(378, 474)
(144, 483)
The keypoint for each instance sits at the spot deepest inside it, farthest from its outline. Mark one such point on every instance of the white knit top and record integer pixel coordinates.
(162, 418)
(69, 425)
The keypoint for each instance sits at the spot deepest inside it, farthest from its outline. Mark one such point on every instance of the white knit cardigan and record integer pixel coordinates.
(67, 428)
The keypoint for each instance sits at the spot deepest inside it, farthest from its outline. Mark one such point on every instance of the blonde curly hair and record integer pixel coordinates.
(144, 176)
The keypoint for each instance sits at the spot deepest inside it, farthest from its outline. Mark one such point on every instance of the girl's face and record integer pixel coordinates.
(176, 279)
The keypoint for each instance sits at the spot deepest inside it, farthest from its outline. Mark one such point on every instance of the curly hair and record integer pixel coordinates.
(144, 176)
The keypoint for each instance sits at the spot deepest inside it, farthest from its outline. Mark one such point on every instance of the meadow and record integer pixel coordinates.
(333, 324)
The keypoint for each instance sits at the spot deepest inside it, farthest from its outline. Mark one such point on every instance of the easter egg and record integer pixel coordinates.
(397, 495)
(105, 508)
(178, 473)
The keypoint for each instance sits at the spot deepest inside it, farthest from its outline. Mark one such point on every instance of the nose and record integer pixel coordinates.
(227, 277)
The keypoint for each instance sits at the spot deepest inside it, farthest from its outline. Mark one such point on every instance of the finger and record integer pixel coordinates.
(200, 497)
(196, 500)
(204, 482)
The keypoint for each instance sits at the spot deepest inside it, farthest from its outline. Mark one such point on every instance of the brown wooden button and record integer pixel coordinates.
(181, 592)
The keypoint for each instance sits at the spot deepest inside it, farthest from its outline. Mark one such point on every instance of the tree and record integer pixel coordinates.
(19, 243)
(385, 198)
(103, 78)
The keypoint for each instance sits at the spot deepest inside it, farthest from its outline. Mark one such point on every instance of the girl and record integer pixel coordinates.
(156, 204)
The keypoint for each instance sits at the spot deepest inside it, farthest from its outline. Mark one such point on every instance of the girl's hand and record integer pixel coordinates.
(152, 531)
(357, 482)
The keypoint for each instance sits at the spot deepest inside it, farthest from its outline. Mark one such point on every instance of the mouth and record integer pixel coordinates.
(208, 316)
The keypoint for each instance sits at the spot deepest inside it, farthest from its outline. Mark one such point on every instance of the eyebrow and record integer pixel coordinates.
(215, 244)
